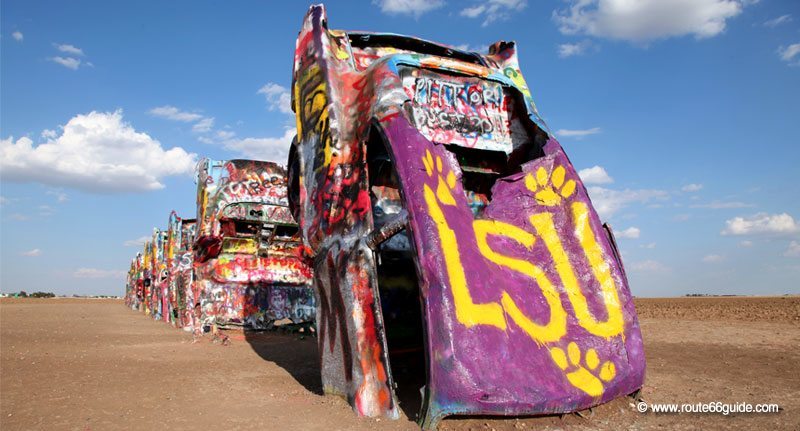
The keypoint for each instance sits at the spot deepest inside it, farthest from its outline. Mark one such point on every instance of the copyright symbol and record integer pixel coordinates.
(641, 406)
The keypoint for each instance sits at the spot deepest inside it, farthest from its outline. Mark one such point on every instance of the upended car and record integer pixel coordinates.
(248, 264)
(459, 265)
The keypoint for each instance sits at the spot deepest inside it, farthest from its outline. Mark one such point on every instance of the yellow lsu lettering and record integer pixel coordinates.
(470, 313)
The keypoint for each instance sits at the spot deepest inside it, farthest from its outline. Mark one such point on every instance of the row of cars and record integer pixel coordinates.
(238, 263)
(445, 246)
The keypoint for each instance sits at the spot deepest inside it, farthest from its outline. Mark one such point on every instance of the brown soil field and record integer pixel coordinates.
(93, 364)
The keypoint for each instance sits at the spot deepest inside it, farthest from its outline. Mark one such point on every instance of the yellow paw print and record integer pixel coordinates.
(582, 377)
(444, 187)
(545, 193)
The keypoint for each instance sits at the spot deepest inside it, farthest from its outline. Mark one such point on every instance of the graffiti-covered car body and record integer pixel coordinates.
(159, 276)
(247, 248)
(133, 285)
(147, 278)
(179, 256)
(422, 174)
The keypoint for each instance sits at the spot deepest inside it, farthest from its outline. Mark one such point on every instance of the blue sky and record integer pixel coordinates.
(681, 114)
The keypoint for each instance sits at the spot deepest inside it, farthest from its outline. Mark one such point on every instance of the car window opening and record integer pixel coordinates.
(481, 168)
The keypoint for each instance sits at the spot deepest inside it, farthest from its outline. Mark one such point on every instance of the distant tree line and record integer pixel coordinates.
(24, 294)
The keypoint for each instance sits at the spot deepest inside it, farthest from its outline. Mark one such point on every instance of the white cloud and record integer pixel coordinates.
(789, 53)
(19, 217)
(204, 125)
(408, 7)
(174, 114)
(648, 246)
(61, 197)
(68, 62)
(69, 49)
(138, 242)
(572, 49)
(49, 134)
(32, 253)
(98, 273)
(713, 258)
(691, 188)
(272, 149)
(278, 97)
(472, 48)
(629, 233)
(595, 175)
(97, 152)
(577, 134)
(645, 20)
(783, 19)
(761, 224)
(746, 243)
(649, 266)
(793, 250)
(17, 35)
(718, 205)
(494, 10)
(607, 201)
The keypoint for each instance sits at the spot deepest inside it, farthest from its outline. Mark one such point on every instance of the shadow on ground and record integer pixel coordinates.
(296, 354)
(299, 356)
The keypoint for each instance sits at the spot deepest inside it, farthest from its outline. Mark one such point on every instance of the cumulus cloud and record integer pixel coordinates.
(793, 250)
(713, 258)
(96, 152)
(32, 253)
(138, 242)
(98, 273)
(18, 36)
(790, 53)
(274, 149)
(172, 113)
(49, 134)
(573, 49)
(629, 233)
(595, 175)
(408, 7)
(68, 62)
(60, 196)
(691, 188)
(607, 201)
(746, 243)
(649, 266)
(577, 134)
(761, 224)
(645, 20)
(278, 97)
(69, 49)
(783, 19)
(203, 126)
(494, 10)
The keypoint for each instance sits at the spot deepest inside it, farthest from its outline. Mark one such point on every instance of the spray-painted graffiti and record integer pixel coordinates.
(424, 175)
(245, 265)
(248, 266)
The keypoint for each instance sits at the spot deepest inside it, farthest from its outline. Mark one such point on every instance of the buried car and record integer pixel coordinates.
(455, 250)
(247, 252)
(181, 275)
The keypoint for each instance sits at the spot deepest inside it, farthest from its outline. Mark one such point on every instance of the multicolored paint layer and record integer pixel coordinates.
(415, 155)
(248, 258)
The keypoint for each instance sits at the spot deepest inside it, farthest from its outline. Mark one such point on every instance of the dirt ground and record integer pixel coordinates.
(95, 364)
